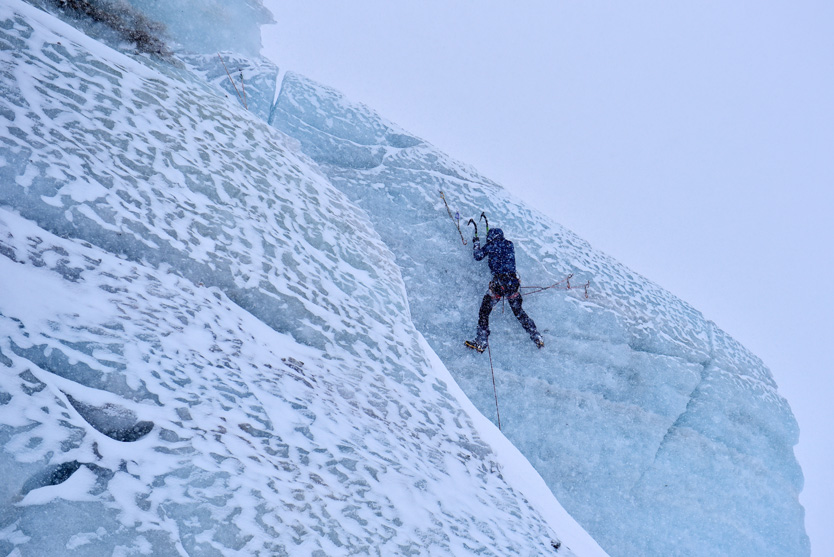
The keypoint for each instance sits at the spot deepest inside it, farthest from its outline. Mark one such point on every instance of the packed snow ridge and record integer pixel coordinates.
(238, 330)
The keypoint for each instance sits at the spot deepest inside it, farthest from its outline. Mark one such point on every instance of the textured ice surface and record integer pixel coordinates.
(205, 348)
(161, 209)
(657, 431)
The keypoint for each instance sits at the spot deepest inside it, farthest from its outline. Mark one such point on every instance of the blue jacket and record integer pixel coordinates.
(500, 252)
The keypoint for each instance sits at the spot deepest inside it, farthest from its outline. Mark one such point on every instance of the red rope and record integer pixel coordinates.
(456, 222)
(555, 285)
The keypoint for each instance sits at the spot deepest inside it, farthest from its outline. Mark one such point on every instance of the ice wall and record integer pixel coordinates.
(205, 348)
(659, 433)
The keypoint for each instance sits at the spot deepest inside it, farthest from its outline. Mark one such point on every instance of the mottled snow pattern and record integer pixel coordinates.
(657, 431)
(205, 348)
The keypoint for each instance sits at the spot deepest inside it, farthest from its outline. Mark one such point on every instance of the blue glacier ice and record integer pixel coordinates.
(234, 329)
(657, 431)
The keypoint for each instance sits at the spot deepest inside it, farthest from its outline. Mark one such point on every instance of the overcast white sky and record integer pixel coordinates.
(692, 141)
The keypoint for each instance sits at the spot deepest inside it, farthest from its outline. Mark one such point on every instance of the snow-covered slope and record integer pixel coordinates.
(205, 348)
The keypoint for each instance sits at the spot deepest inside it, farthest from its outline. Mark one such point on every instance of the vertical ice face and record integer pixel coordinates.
(661, 434)
(205, 348)
(248, 81)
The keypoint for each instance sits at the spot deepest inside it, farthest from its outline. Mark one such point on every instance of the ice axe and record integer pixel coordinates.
(475, 224)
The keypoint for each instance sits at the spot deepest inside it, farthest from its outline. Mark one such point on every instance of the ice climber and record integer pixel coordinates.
(504, 284)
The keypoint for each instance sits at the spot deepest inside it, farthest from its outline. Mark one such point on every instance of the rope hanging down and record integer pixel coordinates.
(455, 218)
(242, 98)
(494, 389)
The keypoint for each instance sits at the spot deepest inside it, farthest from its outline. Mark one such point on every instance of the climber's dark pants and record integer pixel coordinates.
(504, 286)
